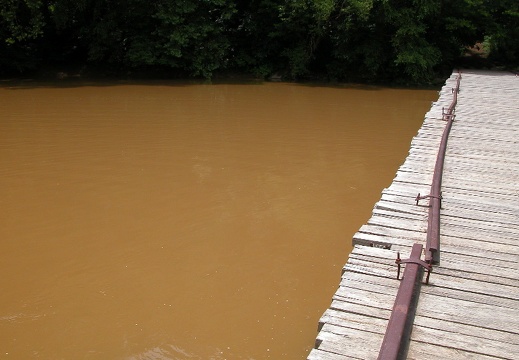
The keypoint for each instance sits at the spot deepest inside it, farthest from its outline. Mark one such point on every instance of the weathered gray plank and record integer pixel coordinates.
(317, 354)
(351, 343)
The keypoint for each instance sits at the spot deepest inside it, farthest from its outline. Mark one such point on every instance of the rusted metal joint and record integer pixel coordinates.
(449, 115)
(429, 255)
(419, 197)
(427, 266)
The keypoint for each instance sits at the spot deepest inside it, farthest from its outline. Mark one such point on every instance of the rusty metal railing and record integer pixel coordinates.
(398, 332)
(432, 248)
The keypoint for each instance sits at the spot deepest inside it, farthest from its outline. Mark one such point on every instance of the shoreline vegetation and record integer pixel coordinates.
(404, 43)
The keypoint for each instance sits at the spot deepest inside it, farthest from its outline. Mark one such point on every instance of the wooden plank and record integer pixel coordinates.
(317, 354)
(426, 351)
(350, 343)
(341, 341)
(477, 195)
(468, 252)
(483, 315)
(474, 180)
(339, 304)
(477, 270)
(394, 222)
(364, 321)
(451, 206)
(479, 345)
(493, 229)
(472, 286)
(402, 237)
(354, 321)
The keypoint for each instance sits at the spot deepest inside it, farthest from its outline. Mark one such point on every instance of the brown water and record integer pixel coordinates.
(170, 221)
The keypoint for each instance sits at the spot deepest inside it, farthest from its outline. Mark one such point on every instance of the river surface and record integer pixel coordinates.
(185, 221)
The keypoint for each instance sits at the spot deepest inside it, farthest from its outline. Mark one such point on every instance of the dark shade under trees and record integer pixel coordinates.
(407, 41)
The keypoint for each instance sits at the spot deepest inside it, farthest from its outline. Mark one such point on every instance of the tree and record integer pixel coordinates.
(183, 35)
(187, 35)
(503, 36)
(21, 23)
(409, 41)
(304, 25)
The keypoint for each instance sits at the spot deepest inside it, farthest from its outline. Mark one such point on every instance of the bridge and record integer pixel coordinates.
(434, 273)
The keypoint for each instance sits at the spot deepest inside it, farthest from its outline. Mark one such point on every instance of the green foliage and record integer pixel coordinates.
(21, 24)
(21, 21)
(504, 39)
(410, 41)
(413, 51)
(188, 35)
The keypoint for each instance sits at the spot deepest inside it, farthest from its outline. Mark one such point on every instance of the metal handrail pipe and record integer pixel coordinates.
(398, 332)
(432, 248)
(396, 340)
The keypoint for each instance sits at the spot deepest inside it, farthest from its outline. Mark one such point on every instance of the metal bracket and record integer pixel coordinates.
(419, 197)
(446, 116)
(427, 266)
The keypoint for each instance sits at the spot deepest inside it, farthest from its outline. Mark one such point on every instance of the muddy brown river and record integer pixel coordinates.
(185, 221)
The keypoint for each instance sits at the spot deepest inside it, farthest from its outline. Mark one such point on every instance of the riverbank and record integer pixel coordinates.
(78, 76)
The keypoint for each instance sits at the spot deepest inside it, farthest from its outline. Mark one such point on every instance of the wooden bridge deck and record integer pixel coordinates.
(470, 309)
